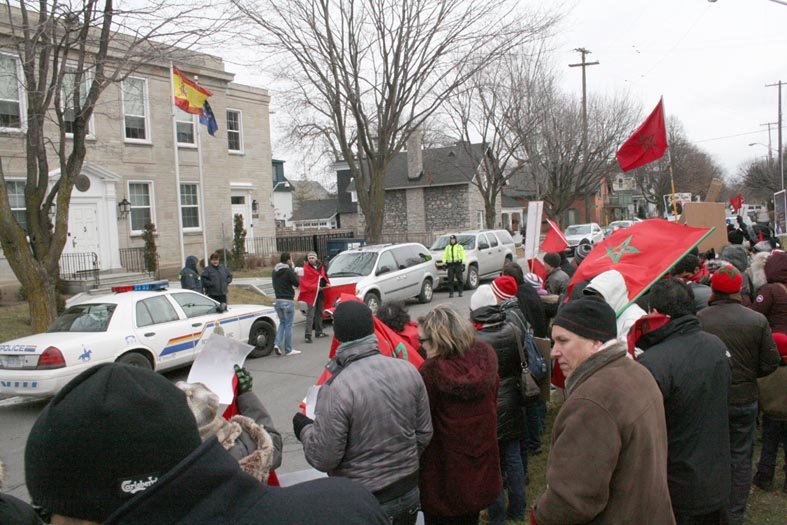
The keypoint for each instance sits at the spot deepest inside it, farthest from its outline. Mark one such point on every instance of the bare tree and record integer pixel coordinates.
(485, 110)
(558, 159)
(372, 72)
(759, 180)
(69, 52)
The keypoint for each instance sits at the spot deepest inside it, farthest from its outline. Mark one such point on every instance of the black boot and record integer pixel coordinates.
(308, 338)
(763, 482)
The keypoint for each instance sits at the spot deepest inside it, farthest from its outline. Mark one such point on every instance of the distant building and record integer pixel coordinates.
(282, 195)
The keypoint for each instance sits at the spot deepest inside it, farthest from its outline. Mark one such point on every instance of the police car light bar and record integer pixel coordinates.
(142, 287)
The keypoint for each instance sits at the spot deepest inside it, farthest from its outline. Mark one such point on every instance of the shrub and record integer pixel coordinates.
(151, 252)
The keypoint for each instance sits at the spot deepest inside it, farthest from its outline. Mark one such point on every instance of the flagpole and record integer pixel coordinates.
(177, 165)
(202, 194)
(669, 165)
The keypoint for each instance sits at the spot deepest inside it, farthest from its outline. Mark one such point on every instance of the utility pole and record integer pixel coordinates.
(584, 65)
(770, 143)
(781, 156)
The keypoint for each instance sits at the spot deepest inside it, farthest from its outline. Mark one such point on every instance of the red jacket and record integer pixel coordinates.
(460, 469)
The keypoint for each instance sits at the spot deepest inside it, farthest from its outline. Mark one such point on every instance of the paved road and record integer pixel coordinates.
(281, 383)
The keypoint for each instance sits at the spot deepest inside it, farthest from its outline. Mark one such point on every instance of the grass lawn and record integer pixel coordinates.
(257, 272)
(15, 319)
(764, 508)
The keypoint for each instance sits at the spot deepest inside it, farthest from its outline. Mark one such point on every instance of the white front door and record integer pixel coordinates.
(83, 234)
(241, 205)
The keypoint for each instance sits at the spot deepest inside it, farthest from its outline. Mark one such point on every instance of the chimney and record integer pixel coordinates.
(415, 155)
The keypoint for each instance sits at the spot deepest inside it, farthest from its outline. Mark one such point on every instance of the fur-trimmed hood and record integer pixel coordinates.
(758, 277)
(467, 378)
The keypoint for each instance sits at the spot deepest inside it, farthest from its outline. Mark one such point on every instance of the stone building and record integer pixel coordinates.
(427, 192)
(130, 175)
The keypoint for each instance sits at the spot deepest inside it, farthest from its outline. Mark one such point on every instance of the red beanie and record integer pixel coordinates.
(726, 279)
(781, 344)
(504, 287)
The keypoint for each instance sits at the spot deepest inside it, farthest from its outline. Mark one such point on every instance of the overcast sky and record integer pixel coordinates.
(710, 61)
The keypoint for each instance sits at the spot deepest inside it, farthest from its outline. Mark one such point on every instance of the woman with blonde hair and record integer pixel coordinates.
(460, 469)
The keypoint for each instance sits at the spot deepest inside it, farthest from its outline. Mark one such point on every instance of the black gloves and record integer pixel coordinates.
(299, 422)
(244, 380)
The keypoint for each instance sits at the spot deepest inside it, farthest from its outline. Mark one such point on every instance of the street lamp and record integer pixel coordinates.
(770, 150)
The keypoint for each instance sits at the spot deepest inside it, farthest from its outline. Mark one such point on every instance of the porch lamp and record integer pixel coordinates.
(124, 207)
(254, 206)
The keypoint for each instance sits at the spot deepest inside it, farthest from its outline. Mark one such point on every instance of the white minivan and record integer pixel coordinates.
(386, 272)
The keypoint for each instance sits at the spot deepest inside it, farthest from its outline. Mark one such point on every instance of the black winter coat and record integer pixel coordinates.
(216, 279)
(533, 309)
(209, 488)
(284, 280)
(14, 511)
(499, 334)
(189, 276)
(692, 370)
(748, 338)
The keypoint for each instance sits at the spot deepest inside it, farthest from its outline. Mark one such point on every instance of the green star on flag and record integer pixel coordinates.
(616, 252)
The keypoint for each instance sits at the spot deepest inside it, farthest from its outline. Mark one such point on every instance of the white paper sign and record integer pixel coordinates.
(535, 210)
(214, 366)
(311, 400)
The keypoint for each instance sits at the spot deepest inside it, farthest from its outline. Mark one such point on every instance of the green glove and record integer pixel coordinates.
(244, 380)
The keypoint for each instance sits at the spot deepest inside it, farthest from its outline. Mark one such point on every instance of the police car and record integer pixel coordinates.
(143, 325)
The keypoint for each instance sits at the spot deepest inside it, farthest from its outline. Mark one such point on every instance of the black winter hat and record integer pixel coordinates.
(582, 251)
(588, 317)
(352, 320)
(109, 434)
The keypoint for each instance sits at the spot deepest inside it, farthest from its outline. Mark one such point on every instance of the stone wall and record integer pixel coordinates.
(446, 208)
(395, 211)
(416, 211)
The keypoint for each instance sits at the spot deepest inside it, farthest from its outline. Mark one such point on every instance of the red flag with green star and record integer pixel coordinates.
(647, 144)
(642, 253)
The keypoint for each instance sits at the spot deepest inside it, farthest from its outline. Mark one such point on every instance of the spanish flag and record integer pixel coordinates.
(189, 96)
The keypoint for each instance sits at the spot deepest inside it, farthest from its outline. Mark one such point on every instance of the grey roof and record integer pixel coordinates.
(444, 166)
(310, 188)
(315, 210)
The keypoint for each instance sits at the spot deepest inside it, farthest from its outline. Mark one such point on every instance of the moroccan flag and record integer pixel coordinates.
(642, 253)
(554, 241)
(647, 144)
(737, 202)
(189, 96)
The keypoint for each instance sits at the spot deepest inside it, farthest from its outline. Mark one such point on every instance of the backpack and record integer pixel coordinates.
(535, 361)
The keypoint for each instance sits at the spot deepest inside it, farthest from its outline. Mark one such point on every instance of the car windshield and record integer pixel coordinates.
(349, 264)
(468, 241)
(620, 224)
(84, 318)
(578, 229)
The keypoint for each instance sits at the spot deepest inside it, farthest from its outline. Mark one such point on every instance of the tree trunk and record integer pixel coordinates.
(373, 205)
(490, 215)
(41, 298)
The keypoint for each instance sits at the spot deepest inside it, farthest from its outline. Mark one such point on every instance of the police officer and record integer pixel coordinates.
(454, 258)
(189, 276)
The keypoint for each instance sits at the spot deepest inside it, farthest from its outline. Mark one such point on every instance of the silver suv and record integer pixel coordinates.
(386, 272)
(486, 252)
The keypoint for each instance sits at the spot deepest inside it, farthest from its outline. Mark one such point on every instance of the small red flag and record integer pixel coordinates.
(554, 241)
(647, 144)
(642, 253)
(737, 202)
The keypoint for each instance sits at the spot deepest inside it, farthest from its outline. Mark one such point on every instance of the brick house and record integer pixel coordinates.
(130, 161)
(427, 192)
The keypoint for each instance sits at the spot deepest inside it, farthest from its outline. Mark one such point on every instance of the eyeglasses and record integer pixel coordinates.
(423, 340)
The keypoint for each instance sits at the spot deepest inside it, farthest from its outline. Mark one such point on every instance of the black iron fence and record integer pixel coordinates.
(425, 238)
(133, 260)
(296, 243)
(80, 266)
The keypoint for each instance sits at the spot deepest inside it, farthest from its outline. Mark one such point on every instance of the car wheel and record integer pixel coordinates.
(262, 336)
(372, 300)
(472, 278)
(135, 359)
(426, 292)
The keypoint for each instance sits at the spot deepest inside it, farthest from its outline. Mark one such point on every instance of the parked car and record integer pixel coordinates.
(486, 251)
(619, 225)
(576, 233)
(386, 272)
(143, 325)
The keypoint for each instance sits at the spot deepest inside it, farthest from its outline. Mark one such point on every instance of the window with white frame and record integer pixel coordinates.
(234, 130)
(11, 109)
(189, 205)
(16, 198)
(184, 123)
(67, 95)
(135, 109)
(140, 195)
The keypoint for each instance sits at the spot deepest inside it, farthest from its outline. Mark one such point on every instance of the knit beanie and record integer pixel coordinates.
(504, 287)
(582, 251)
(483, 296)
(726, 279)
(352, 320)
(552, 259)
(534, 280)
(588, 317)
(112, 432)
